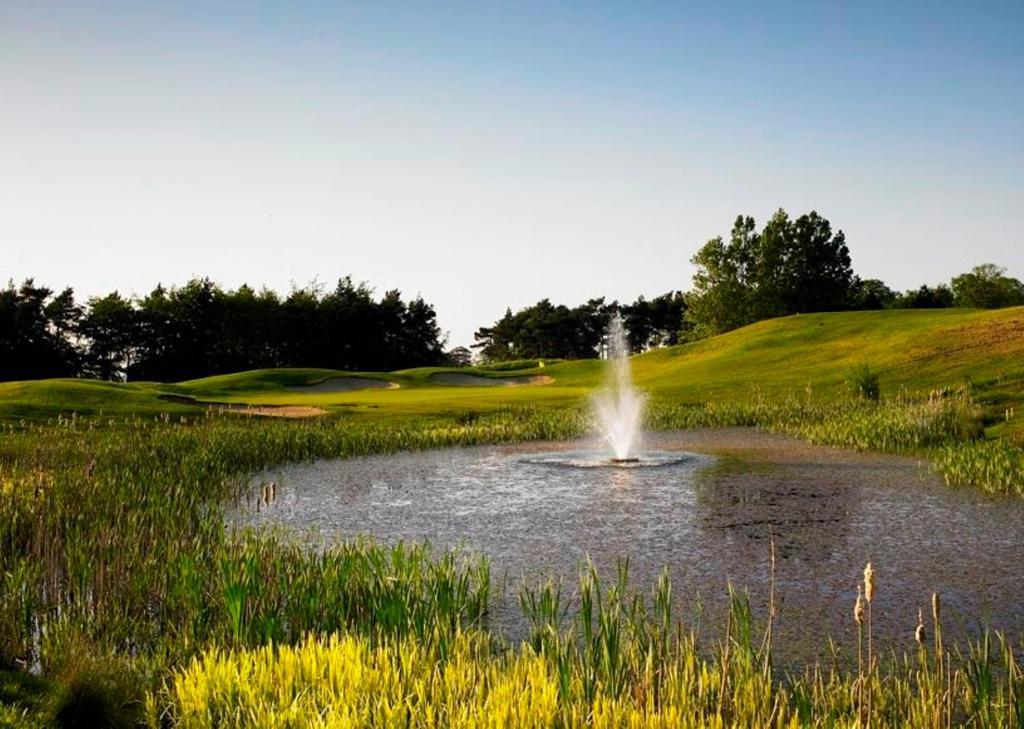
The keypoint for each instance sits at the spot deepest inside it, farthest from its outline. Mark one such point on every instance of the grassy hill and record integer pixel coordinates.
(916, 350)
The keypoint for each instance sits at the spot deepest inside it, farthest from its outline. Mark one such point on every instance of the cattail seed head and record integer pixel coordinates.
(919, 632)
(936, 607)
(869, 583)
(858, 608)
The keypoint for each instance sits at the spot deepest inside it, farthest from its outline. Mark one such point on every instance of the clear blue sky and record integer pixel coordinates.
(487, 155)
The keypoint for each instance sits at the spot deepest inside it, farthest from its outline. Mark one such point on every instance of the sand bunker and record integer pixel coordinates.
(345, 384)
(264, 411)
(466, 380)
(274, 411)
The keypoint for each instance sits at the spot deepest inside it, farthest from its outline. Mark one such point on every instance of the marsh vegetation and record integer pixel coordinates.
(113, 548)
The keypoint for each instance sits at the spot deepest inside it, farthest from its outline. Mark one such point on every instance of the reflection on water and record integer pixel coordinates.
(706, 510)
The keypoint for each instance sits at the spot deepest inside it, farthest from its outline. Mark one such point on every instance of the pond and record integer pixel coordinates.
(706, 507)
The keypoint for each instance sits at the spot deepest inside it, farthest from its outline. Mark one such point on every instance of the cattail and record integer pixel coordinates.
(936, 616)
(869, 583)
(919, 632)
(858, 608)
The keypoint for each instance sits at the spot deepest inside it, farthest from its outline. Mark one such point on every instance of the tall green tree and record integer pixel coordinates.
(871, 294)
(819, 272)
(421, 339)
(987, 287)
(654, 323)
(789, 267)
(727, 286)
(111, 332)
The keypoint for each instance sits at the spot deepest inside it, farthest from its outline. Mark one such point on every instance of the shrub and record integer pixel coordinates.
(864, 382)
(95, 691)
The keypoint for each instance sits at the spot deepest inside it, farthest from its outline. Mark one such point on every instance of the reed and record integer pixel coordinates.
(612, 663)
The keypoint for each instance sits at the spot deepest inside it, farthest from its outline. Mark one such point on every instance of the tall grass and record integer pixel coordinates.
(615, 663)
(113, 542)
(117, 530)
(994, 466)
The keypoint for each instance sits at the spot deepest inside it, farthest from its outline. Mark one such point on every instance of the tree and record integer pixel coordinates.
(790, 267)
(421, 339)
(987, 287)
(654, 323)
(202, 329)
(157, 338)
(722, 298)
(35, 333)
(667, 314)
(871, 294)
(458, 357)
(925, 297)
(544, 331)
(63, 314)
(110, 329)
(548, 331)
(496, 342)
(818, 267)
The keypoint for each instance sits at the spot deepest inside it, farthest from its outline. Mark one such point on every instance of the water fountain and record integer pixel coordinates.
(619, 407)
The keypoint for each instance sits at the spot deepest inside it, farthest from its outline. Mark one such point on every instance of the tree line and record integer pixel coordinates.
(545, 330)
(788, 266)
(201, 329)
(793, 266)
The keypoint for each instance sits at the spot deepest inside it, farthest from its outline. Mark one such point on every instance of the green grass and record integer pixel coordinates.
(912, 350)
(916, 350)
(42, 399)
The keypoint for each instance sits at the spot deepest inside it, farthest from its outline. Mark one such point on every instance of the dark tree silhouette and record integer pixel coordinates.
(36, 333)
(926, 297)
(200, 329)
(545, 330)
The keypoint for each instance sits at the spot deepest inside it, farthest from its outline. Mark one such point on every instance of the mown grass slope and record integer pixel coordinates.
(914, 350)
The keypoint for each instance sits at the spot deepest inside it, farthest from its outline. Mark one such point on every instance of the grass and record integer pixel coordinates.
(114, 551)
(912, 351)
(615, 663)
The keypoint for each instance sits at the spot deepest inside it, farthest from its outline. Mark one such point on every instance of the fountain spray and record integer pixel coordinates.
(619, 407)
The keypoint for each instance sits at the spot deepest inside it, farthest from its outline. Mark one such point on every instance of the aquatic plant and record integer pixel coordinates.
(994, 466)
(615, 663)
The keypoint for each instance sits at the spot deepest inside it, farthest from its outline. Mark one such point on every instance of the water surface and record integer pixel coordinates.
(706, 512)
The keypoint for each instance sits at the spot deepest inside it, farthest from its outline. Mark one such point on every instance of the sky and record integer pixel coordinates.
(487, 155)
